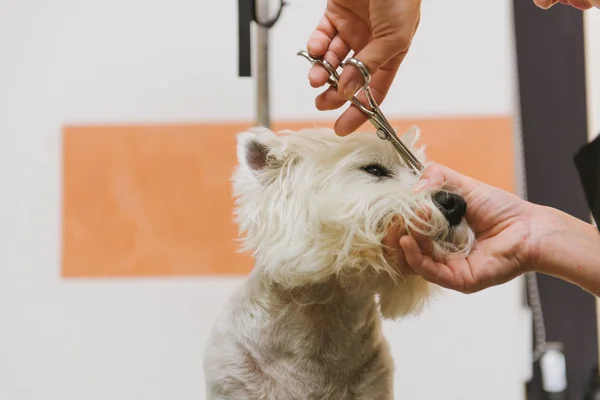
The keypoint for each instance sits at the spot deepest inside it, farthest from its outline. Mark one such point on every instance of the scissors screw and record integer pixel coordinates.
(381, 134)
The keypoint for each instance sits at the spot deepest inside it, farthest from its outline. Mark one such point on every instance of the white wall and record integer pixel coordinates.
(68, 61)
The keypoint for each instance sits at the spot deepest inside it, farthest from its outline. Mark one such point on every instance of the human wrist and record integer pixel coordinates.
(547, 229)
(565, 247)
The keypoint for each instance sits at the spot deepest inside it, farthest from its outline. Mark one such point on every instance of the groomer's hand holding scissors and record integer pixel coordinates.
(379, 32)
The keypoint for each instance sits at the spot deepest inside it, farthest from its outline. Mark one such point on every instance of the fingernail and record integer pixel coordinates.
(400, 241)
(420, 185)
(350, 90)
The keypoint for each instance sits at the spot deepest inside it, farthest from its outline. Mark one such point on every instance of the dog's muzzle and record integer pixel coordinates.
(451, 205)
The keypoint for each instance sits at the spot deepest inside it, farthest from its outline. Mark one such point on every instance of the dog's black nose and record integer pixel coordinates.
(451, 205)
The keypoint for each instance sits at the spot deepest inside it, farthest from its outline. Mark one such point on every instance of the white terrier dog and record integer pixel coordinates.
(314, 209)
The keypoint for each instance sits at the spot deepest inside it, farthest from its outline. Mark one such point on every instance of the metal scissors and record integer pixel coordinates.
(376, 117)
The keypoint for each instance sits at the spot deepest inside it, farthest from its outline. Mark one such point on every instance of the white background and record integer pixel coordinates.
(134, 61)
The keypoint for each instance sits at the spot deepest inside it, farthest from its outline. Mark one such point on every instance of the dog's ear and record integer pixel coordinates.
(259, 150)
(411, 137)
(251, 152)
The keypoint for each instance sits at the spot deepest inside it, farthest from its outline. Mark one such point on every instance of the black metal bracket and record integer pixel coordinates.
(247, 15)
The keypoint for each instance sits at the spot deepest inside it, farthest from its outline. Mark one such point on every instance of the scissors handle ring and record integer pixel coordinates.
(334, 78)
(364, 71)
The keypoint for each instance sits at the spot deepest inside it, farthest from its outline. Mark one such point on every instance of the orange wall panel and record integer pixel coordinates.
(149, 201)
(142, 201)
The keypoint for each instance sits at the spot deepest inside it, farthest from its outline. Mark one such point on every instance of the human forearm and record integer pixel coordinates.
(567, 248)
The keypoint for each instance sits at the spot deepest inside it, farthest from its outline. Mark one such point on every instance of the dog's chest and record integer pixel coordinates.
(323, 353)
(366, 374)
(277, 347)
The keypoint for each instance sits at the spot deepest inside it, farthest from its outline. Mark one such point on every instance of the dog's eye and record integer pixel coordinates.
(377, 170)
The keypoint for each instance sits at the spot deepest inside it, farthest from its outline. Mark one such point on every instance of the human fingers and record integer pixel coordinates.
(352, 118)
(330, 99)
(425, 243)
(393, 234)
(393, 25)
(319, 40)
(418, 224)
(583, 4)
(374, 55)
(437, 273)
(399, 227)
(579, 4)
(545, 4)
(417, 228)
(350, 34)
(317, 45)
(394, 253)
(381, 81)
(337, 51)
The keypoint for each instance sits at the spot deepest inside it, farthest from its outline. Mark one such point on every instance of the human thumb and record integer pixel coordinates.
(437, 176)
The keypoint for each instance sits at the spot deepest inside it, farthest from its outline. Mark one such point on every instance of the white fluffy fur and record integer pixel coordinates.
(306, 323)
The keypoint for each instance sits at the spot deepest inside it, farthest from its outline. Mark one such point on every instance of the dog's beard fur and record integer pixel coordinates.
(314, 220)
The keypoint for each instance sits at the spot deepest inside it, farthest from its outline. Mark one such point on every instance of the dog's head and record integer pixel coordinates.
(312, 206)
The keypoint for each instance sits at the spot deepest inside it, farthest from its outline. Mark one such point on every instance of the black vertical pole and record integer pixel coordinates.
(245, 17)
